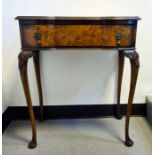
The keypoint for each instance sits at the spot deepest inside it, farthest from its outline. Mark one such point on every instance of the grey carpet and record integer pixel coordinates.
(78, 137)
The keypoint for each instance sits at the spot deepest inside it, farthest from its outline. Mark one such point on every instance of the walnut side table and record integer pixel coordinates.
(39, 33)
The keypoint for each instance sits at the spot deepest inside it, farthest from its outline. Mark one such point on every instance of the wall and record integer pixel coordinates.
(75, 76)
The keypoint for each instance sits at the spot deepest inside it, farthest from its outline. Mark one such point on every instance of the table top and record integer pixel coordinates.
(78, 18)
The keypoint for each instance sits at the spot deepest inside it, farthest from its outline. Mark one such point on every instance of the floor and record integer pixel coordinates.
(102, 136)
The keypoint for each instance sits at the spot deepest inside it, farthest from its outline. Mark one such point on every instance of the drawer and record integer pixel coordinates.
(78, 36)
(122, 35)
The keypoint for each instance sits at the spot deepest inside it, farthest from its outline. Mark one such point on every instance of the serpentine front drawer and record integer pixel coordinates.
(78, 32)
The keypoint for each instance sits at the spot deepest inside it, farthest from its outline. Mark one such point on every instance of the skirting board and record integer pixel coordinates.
(69, 112)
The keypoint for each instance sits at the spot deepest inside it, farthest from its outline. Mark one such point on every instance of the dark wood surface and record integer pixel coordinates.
(36, 60)
(120, 76)
(23, 59)
(134, 61)
(73, 32)
(78, 18)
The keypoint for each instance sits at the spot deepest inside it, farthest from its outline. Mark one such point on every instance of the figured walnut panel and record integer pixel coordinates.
(128, 35)
(78, 35)
(47, 35)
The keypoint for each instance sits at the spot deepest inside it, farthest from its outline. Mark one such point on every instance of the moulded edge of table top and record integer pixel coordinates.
(77, 18)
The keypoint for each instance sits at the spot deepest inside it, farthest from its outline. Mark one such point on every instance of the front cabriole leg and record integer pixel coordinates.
(23, 59)
(134, 61)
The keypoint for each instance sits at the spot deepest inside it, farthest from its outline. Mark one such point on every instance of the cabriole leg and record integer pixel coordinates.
(23, 59)
(134, 61)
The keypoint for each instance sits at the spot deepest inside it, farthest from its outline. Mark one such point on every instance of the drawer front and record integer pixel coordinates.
(78, 36)
(119, 35)
(44, 39)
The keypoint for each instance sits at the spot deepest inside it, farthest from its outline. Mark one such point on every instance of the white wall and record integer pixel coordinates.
(75, 76)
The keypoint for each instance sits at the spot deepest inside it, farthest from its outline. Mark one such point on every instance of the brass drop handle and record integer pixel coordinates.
(118, 38)
(37, 37)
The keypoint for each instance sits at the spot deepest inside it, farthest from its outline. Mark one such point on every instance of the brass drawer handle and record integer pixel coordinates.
(37, 36)
(118, 38)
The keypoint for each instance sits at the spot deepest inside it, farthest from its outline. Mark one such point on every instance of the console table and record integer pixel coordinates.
(39, 33)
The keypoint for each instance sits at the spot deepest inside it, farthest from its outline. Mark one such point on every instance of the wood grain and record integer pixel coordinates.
(128, 35)
(47, 35)
(79, 35)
